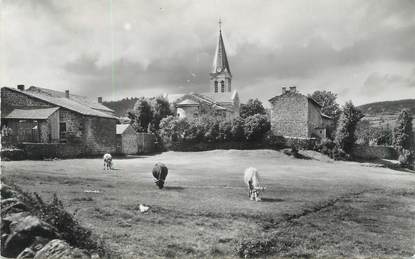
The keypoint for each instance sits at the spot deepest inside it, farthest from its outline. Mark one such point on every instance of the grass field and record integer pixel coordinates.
(311, 208)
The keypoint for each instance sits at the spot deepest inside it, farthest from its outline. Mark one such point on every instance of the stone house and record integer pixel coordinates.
(39, 115)
(126, 139)
(298, 116)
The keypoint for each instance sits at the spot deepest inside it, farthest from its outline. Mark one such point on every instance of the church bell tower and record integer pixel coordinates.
(220, 76)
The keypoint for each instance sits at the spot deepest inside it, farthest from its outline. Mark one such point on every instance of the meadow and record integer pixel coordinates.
(313, 207)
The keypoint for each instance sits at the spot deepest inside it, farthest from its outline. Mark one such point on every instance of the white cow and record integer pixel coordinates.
(252, 180)
(107, 162)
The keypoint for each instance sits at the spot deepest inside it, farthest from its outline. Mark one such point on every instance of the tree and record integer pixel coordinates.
(345, 134)
(141, 115)
(161, 109)
(225, 130)
(402, 133)
(256, 126)
(403, 138)
(328, 103)
(211, 130)
(252, 107)
(237, 129)
(371, 135)
(196, 131)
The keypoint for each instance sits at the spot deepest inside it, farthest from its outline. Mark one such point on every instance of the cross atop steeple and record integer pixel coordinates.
(220, 24)
(220, 76)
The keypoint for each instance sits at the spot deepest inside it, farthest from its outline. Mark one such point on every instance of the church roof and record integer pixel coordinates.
(220, 60)
(221, 97)
(187, 102)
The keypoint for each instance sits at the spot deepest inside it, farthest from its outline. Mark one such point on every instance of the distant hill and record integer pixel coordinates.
(388, 107)
(122, 106)
(384, 114)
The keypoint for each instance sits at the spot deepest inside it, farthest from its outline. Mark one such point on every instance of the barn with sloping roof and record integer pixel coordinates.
(39, 115)
(126, 140)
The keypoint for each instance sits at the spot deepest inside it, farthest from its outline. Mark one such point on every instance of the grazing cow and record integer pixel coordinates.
(107, 162)
(251, 178)
(160, 173)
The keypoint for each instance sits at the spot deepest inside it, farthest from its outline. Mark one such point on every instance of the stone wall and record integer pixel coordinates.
(99, 135)
(146, 143)
(374, 152)
(301, 143)
(289, 114)
(52, 150)
(127, 142)
(315, 122)
(74, 122)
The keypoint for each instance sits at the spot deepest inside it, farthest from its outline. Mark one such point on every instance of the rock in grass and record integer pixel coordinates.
(59, 249)
(26, 253)
(33, 225)
(23, 231)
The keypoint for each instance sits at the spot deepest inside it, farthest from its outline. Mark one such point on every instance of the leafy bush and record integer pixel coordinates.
(196, 131)
(274, 141)
(252, 107)
(406, 158)
(55, 214)
(225, 131)
(237, 129)
(369, 135)
(256, 126)
(403, 139)
(345, 134)
(212, 130)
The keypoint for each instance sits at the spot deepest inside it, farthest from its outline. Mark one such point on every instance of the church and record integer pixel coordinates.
(221, 100)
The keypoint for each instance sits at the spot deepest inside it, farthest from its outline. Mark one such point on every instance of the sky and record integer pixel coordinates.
(362, 50)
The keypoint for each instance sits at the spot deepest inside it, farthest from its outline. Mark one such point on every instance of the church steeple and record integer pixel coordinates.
(220, 76)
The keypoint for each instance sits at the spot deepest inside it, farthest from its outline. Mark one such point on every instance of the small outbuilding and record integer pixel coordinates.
(126, 139)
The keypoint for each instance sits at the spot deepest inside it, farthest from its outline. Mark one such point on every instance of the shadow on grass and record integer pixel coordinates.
(174, 188)
(134, 156)
(385, 163)
(271, 200)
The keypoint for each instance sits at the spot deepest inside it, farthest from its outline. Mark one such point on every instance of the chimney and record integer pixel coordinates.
(67, 94)
(284, 90)
(293, 89)
(99, 99)
(20, 87)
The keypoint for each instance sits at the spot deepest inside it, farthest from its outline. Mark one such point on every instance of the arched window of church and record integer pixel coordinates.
(222, 84)
(216, 86)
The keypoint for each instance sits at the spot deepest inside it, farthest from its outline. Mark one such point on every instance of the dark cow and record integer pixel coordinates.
(160, 172)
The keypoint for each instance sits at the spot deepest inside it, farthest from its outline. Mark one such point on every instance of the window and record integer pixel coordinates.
(216, 86)
(229, 88)
(222, 88)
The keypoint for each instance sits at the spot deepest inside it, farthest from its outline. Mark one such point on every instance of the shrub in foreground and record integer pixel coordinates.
(54, 213)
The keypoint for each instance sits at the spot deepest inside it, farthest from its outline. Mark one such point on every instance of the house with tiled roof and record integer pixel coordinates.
(221, 100)
(295, 115)
(40, 115)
